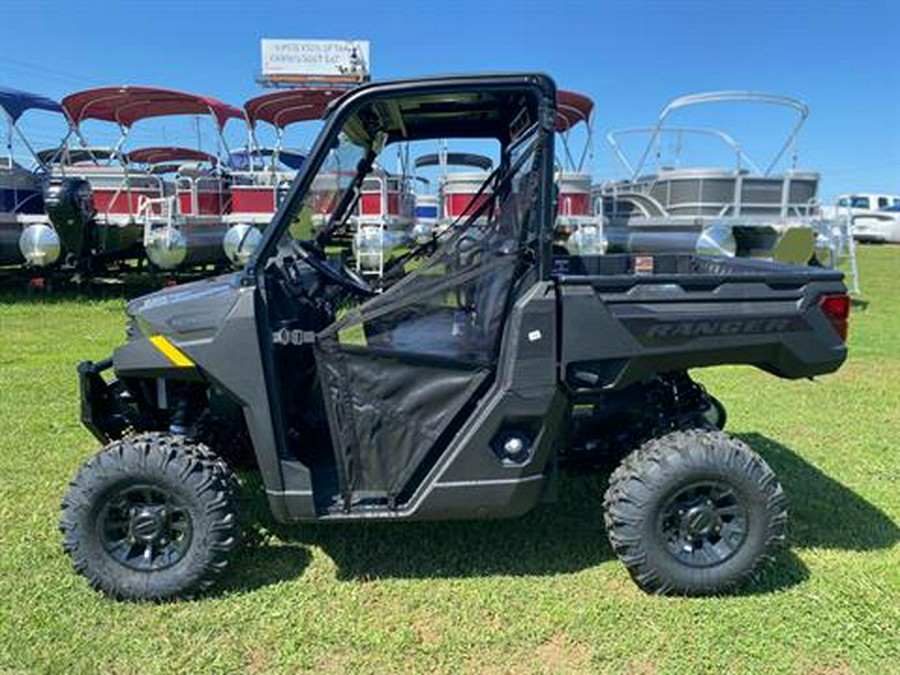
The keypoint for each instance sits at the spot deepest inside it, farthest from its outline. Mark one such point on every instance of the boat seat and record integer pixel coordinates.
(650, 206)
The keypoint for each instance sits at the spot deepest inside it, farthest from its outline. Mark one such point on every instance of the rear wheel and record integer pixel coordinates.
(150, 517)
(694, 512)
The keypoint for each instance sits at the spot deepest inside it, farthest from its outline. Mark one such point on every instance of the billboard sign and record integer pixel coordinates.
(316, 59)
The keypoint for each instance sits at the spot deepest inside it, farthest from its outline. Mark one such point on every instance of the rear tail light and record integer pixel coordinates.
(837, 309)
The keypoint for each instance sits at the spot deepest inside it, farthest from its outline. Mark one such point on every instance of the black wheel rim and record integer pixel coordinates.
(144, 528)
(703, 524)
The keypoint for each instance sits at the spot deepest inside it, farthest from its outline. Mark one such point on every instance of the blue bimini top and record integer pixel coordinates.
(16, 102)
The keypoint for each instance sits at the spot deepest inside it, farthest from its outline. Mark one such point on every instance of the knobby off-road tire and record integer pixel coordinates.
(151, 517)
(694, 513)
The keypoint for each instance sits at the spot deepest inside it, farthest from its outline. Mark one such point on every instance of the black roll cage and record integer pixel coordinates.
(255, 272)
(542, 85)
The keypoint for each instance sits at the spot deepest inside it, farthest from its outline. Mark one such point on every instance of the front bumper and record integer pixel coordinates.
(104, 410)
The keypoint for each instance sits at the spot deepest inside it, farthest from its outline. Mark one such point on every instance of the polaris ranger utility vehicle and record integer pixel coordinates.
(459, 388)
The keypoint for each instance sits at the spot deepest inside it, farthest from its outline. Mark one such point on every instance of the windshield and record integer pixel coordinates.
(357, 209)
(328, 191)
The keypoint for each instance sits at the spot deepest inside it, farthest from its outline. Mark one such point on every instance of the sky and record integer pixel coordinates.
(840, 58)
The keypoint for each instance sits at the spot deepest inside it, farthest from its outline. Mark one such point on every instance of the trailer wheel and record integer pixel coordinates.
(150, 517)
(693, 513)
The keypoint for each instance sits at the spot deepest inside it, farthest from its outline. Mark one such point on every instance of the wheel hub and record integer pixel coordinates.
(703, 524)
(144, 528)
(700, 521)
(148, 523)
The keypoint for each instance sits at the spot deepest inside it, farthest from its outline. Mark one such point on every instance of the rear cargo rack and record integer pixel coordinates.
(621, 271)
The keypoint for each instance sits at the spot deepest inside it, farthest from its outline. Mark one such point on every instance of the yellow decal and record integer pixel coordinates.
(174, 354)
(355, 335)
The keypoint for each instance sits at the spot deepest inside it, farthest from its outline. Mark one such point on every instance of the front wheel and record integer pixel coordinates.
(693, 513)
(150, 517)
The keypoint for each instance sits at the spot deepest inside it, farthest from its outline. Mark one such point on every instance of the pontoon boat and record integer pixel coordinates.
(26, 235)
(107, 208)
(578, 230)
(456, 190)
(741, 210)
(263, 176)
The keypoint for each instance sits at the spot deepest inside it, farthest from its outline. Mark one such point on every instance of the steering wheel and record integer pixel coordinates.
(345, 277)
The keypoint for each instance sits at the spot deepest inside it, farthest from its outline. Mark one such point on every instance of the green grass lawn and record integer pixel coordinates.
(539, 594)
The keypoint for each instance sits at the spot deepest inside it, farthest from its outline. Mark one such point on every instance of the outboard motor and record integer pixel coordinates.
(68, 203)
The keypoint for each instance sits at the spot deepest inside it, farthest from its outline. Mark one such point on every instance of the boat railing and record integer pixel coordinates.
(741, 159)
(276, 182)
(124, 187)
(385, 186)
(211, 184)
(644, 194)
(31, 196)
(796, 105)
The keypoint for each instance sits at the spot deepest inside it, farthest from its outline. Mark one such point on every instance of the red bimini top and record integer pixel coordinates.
(160, 154)
(127, 105)
(284, 107)
(572, 108)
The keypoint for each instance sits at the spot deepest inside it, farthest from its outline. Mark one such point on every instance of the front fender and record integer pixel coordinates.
(151, 357)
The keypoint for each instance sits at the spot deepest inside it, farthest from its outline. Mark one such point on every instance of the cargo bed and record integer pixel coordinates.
(626, 317)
